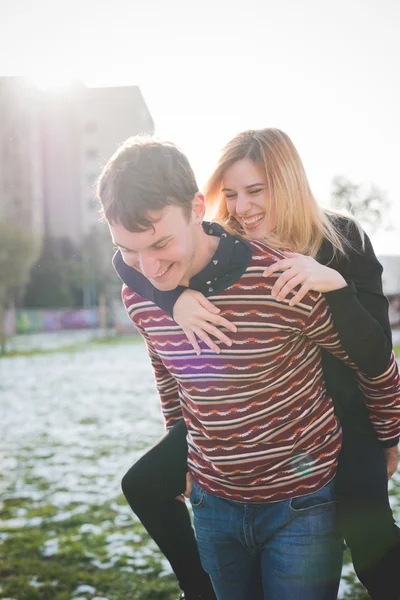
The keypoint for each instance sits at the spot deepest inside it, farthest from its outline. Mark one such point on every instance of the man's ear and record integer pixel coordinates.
(198, 207)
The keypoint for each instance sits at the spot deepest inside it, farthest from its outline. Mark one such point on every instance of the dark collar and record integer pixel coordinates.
(227, 265)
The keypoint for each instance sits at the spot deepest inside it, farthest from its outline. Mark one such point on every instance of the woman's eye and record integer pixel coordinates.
(257, 191)
(230, 196)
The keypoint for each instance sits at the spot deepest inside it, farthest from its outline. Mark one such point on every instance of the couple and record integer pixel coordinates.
(288, 427)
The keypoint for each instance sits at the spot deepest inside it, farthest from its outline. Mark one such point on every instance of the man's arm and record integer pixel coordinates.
(383, 401)
(166, 384)
(382, 393)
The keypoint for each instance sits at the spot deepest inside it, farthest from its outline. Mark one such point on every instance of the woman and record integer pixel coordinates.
(259, 189)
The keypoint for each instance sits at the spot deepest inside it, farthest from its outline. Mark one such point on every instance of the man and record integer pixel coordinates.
(263, 439)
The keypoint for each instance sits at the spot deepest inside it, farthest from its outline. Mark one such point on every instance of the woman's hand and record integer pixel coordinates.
(188, 491)
(303, 271)
(199, 317)
(392, 459)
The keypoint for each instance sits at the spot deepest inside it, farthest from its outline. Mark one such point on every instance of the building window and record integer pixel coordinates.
(91, 178)
(91, 127)
(92, 153)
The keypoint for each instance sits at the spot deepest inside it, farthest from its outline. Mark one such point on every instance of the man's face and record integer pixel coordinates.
(165, 254)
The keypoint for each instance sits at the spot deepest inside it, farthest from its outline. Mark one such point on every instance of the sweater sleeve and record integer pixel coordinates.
(360, 310)
(167, 386)
(381, 393)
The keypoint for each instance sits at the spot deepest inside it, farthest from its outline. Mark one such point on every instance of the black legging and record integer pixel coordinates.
(151, 486)
(367, 523)
(365, 516)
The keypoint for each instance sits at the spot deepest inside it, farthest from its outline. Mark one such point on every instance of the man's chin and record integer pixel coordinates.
(164, 286)
(166, 282)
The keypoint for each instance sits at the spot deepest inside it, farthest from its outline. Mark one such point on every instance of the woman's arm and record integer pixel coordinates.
(381, 394)
(361, 311)
(196, 315)
(353, 288)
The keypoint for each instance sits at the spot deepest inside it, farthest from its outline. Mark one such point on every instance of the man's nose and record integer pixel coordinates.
(149, 266)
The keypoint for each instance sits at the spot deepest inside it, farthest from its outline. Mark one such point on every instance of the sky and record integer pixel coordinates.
(327, 73)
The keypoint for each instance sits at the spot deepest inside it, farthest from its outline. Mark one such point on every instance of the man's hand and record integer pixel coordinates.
(392, 459)
(187, 492)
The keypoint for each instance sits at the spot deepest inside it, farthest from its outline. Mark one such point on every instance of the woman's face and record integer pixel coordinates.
(245, 191)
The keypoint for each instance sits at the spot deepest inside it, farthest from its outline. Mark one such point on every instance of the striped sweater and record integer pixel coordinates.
(261, 425)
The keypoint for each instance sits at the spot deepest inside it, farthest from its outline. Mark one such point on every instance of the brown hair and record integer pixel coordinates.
(143, 175)
(301, 225)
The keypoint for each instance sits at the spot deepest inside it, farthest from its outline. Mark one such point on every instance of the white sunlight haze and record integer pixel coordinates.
(327, 73)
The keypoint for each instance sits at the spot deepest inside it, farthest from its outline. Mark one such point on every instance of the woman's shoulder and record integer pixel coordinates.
(359, 256)
(348, 228)
(352, 238)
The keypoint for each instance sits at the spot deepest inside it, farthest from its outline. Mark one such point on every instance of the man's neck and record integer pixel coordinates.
(206, 246)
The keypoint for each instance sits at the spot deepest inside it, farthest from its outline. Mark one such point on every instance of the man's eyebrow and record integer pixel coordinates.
(122, 246)
(247, 187)
(159, 241)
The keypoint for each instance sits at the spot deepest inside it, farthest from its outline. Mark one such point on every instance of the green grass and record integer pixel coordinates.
(98, 544)
(73, 348)
(81, 557)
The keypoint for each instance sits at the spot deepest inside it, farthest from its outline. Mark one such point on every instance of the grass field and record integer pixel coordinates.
(68, 433)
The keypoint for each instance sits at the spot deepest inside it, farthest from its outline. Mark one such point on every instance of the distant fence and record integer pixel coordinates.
(394, 310)
(41, 320)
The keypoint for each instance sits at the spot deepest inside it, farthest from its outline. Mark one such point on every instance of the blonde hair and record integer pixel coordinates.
(301, 225)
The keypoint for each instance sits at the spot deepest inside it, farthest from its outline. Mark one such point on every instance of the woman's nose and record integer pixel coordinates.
(243, 204)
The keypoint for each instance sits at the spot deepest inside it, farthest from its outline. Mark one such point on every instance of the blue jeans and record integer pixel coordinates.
(294, 543)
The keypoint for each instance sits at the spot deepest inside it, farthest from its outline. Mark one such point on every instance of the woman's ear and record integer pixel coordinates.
(198, 207)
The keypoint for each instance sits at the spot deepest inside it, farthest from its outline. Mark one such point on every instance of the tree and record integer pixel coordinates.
(66, 276)
(19, 249)
(99, 274)
(57, 277)
(369, 205)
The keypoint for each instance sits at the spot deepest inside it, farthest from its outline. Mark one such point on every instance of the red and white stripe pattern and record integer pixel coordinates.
(261, 426)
